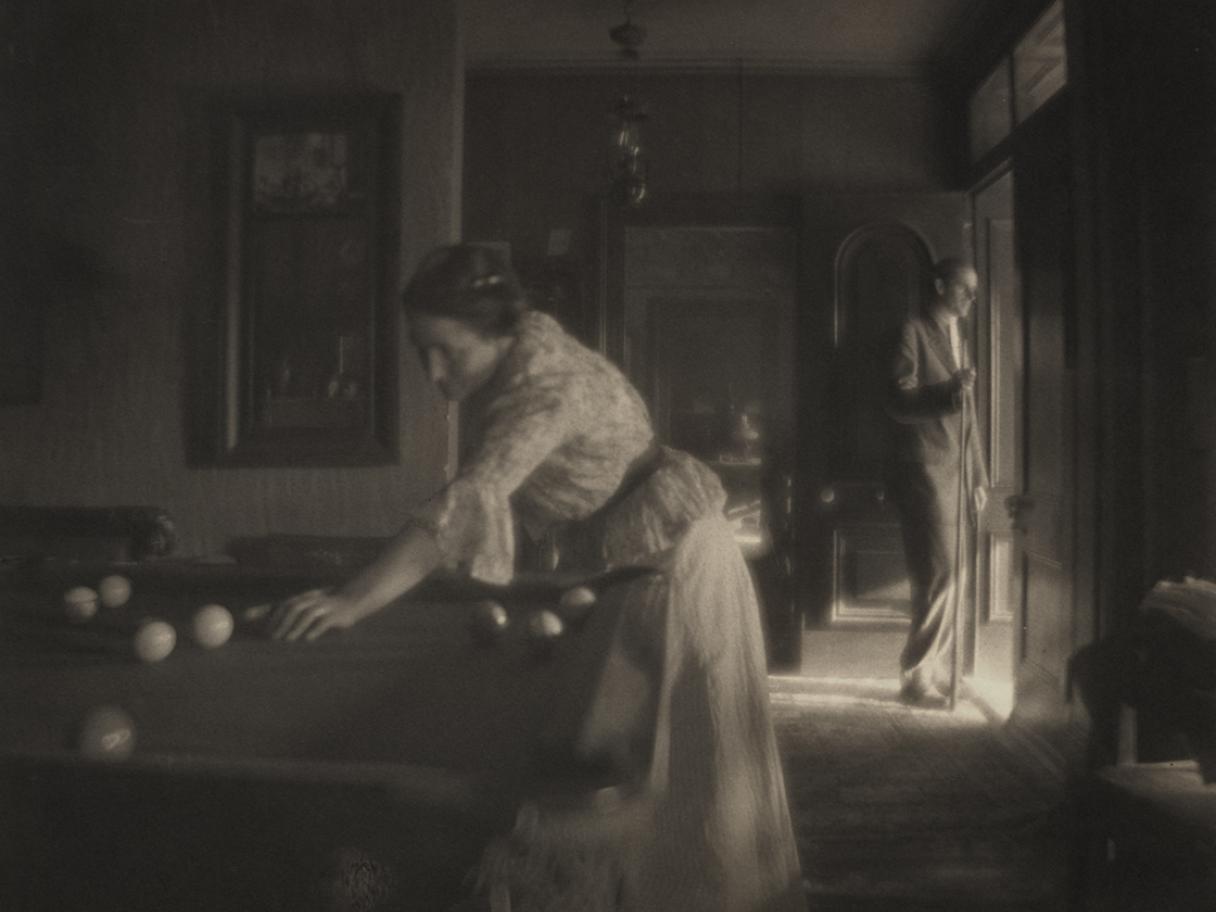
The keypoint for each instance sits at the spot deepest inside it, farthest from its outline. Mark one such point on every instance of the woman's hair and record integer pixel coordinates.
(471, 283)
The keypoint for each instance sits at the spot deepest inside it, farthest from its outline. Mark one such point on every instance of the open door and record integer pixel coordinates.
(865, 262)
(1044, 508)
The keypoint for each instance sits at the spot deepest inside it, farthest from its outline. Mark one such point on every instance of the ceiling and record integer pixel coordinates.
(847, 35)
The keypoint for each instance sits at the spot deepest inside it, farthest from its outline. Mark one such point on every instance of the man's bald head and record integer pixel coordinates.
(955, 284)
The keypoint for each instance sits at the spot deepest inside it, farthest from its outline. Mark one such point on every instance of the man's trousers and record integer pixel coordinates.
(927, 499)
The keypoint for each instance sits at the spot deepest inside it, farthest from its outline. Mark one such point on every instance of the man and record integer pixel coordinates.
(935, 456)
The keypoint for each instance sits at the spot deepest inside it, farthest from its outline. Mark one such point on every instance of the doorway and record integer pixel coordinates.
(1023, 628)
(1045, 507)
(865, 259)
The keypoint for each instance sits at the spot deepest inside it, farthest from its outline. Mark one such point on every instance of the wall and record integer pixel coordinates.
(101, 97)
(1176, 148)
(536, 141)
(1149, 81)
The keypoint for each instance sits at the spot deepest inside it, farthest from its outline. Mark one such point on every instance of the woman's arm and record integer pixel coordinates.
(468, 522)
(407, 560)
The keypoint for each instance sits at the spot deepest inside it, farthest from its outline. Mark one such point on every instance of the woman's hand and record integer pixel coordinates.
(407, 559)
(311, 613)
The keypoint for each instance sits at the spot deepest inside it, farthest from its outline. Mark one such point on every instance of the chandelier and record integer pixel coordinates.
(627, 163)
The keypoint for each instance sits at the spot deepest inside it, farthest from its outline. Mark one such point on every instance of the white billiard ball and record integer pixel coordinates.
(575, 603)
(114, 591)
(80, 604)
(108, 733)
(154, 640)
(211, 626)
(544, 627)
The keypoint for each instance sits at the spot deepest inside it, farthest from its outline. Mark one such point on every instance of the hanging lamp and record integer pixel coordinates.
(627, 161)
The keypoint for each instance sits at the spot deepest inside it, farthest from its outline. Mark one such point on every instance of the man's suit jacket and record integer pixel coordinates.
(926, 434)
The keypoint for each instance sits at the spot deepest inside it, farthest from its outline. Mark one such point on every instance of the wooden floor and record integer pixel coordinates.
(914, 810)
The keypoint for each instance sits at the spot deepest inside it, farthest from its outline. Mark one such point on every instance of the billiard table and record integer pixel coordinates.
(368, 769)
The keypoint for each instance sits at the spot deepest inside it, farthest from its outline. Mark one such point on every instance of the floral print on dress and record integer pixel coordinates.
(554, 432)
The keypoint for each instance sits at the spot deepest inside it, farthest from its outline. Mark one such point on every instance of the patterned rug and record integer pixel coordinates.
(907, 809)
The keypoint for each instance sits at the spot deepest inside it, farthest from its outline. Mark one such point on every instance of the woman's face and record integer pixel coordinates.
(457, 358)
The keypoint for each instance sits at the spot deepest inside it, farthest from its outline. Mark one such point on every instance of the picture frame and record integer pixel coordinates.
(303, 367)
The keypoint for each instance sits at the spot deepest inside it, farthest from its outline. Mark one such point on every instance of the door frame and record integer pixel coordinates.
(987, 349)
(831, 220)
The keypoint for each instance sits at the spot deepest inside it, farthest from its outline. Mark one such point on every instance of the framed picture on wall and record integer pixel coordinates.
(305, 361)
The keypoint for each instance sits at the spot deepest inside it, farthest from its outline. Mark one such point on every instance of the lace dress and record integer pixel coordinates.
(555, 433)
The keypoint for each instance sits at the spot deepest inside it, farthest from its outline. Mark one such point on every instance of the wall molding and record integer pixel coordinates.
(725, 65)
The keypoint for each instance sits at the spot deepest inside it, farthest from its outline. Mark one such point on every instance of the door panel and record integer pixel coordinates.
(879, 279)
(1044, 243)
(870, 579)
(865, 259)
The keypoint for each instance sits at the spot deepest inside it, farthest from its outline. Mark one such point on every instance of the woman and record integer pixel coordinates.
(562, 442)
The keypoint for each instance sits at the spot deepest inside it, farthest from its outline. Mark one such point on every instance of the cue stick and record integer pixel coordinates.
(956, 652)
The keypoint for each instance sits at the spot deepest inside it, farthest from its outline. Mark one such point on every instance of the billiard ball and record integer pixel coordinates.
(108, 733)
(80, 604)
(489, 621)
(544, 627)
(154, 640)
(114, 591)
(211, 626)
(575, 603)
